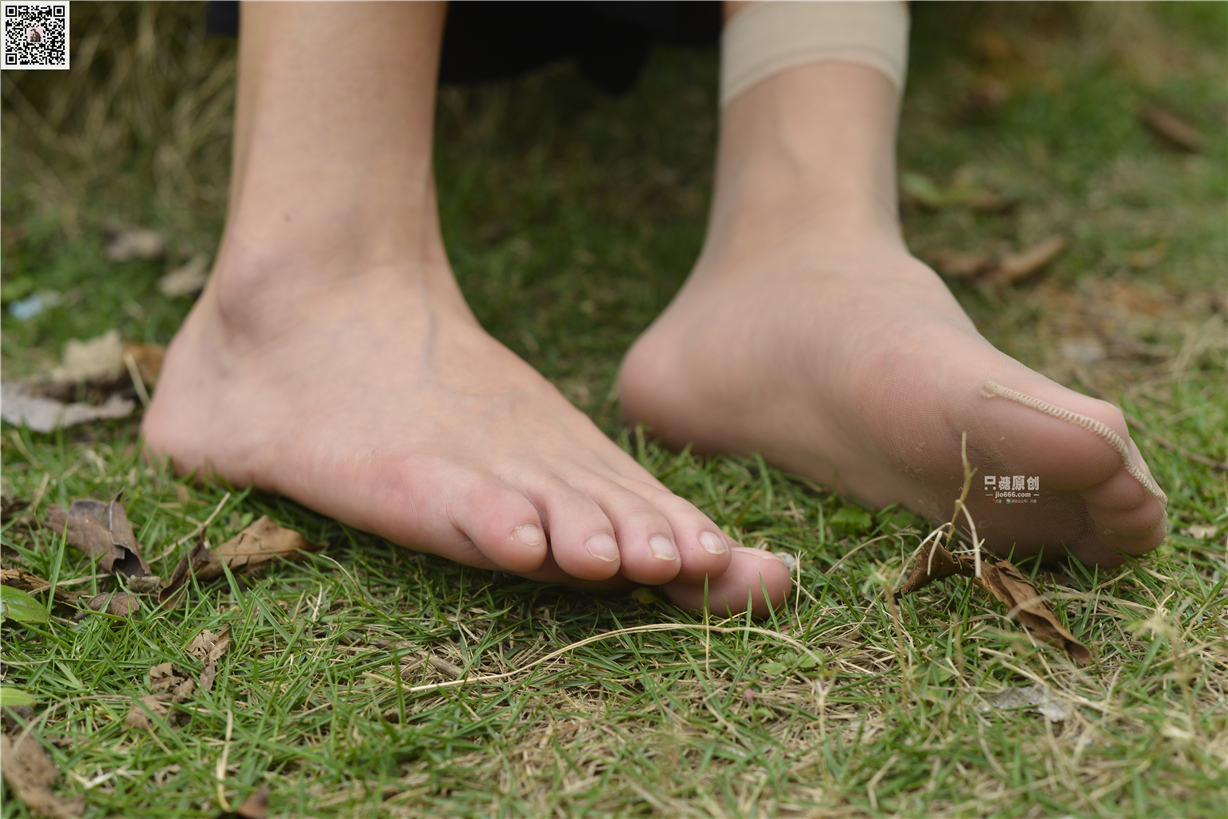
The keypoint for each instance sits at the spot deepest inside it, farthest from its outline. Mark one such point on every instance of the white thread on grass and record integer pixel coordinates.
(990, 389)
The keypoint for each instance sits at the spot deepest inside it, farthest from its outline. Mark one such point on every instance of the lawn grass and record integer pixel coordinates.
(365, 681)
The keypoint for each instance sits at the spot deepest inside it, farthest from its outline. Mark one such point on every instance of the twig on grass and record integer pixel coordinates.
(559, 652)
(200, 528)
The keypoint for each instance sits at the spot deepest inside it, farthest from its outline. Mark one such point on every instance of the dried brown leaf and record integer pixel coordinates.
(21, 405)
(1173, 129)
(209, 648)
(251, 550)
(147, 359)
(121, 604)
(197, 558)
(30, 773)
(135, 243)
(255, 806)
(155, 704)
(1007, 584)
(102, 531)
(933, 565)
(11, 506)
(1015, 267)
(260, 543)
(956, 264)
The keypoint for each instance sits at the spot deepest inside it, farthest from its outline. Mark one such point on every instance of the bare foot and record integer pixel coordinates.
(808, 333)
(384, 404)
(333, 360)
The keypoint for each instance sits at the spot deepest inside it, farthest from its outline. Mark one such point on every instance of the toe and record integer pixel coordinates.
(582, 539)
(1121, 492)
(646, 543)
(502, 523)
(1112, 525)
(755, 580)
(704, 550)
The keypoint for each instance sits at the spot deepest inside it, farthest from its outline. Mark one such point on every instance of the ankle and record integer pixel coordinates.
(266, 280)
(813, 145)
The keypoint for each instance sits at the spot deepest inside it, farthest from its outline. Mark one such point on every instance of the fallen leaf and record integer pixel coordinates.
(1170, 127)
(169, 686)
(10, 506)
(30, 582)
(1015, 267)
(19, 605)
(188, 566)
(261, 542)
(21, 406)
(100, 358)
(255, 806)
(147, 359)
(1007, 584)
(256, 546)
(187, 279)
(102, 531)
(121, 604)
(135, 243)
(209, 648)
(30, 773)
(1202, 531)
(1037, 697)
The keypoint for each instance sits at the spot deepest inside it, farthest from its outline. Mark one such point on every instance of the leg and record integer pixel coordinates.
(807, 332)
(333, 359)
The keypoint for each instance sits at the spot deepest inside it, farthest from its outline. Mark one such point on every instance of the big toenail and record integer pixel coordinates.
(529, 535)
(602, 547)
(662, 548)
(713, 543)
(759, 553)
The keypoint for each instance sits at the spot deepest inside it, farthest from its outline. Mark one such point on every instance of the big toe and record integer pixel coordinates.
(756, 580)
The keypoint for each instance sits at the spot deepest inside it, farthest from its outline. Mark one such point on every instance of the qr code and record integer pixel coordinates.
(35, 35)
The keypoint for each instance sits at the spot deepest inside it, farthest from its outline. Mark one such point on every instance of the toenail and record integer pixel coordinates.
(662, 548)
(602, 547)
(713, 543)
(529, 535)
(759, 553)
